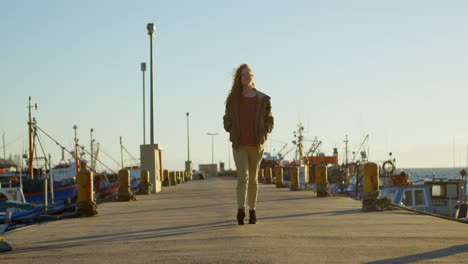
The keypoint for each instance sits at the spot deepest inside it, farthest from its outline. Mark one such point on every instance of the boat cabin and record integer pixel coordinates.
(446, 194)
(415, 197)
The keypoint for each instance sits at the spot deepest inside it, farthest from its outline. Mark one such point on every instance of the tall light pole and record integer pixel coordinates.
(92, 148)
(143, 69)
(188, 138)
(212, 145)
(4, 152)
(151, 32)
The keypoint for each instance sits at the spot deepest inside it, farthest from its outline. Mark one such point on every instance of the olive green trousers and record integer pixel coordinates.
(247, 161)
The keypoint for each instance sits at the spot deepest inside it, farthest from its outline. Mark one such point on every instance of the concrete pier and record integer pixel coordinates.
(195, 223)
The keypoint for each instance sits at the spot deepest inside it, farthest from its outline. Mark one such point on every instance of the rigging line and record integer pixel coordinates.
(69, 152)
(129, 153)
(11, 142)
(107, 167)
(43, 152)
(102, 150)
(35, 149)
(56, 142)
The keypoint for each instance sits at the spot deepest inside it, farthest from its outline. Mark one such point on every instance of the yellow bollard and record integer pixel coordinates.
(144, 176)
(294, 179)
(85, 200)
(312, 173)
(371, 177)
(177, 173)
(166, 181)
(172, 177)
(371, 187)
(321, 180)
(85, 186)
(267, 176)
(279, 177)
(124, 180)
(124, 193)
(145, 185)
(182, 177)
(260, 175)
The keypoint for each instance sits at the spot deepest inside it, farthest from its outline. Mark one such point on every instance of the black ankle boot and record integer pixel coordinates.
(252, 217)
(240, 216)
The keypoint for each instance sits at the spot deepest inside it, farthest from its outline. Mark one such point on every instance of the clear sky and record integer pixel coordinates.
(396, 70)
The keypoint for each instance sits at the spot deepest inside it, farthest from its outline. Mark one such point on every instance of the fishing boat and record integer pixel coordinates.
(42, 183)
(440, 196)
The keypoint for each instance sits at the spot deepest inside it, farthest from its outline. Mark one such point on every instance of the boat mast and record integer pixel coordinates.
(31, 138)
(346, 161)
(121, 152)
(92, 149)
(77, 151)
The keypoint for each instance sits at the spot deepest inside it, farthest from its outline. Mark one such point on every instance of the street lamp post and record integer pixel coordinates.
(151, 32)
(212, 145)
(4, 152)
(92, 148)
(188, 138)
(143, 69)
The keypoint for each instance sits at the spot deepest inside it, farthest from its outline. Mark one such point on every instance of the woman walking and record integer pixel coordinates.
(248, 120)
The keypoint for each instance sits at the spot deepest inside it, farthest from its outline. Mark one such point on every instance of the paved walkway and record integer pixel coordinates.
(195, 223)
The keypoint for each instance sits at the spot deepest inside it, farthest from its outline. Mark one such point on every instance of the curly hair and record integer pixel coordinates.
(236, 90)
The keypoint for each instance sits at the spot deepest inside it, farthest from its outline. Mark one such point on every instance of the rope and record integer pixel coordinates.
(4, 246)
(322, 189)
(102, 150)
(43, 152)
(56, 142)
(386, 204)
(87, 208)
(69, 152)
(124, 194)
(370, 200)
(11, 142)
(430, 214)
(145, 188)
(133, 158)
(87, 152)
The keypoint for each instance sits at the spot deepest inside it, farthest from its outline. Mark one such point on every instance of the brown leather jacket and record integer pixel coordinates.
(264, 120)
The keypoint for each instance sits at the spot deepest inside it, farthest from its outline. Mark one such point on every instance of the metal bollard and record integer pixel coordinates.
(172, 177)
(261, 177)
(321, 177)
(279, 177)
(268, 176)
(145, 185)
(294, 179)
(371, 187)
(166, 181)
(124, 193)
(85, 200)
(181, 175)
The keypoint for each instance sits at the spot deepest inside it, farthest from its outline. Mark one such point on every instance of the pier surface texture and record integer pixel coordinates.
(195, 223)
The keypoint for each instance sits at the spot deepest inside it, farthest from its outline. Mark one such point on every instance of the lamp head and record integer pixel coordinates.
(151, 29)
